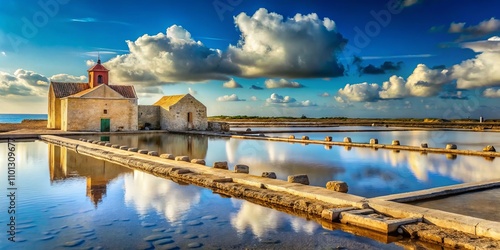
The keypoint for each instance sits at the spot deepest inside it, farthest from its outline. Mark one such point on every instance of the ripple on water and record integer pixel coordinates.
(203, 235)
(46, 238)
(195, 245)
(158, 230)
(74, 243)
(155, 237)
(168, 247)
(180, 231)
(209, 217)
(26, 226)
(146, 224)
(163, 242)
(194, 223)
(145, 246)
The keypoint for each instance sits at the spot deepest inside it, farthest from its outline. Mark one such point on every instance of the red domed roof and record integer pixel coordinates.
(98, 67)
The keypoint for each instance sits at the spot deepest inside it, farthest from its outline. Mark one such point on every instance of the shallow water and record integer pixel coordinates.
(368, 172)
(66, 200)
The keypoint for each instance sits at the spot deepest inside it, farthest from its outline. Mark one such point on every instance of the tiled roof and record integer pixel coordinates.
(98, 67)
(63, 89)
(127, 91)
(168, 100)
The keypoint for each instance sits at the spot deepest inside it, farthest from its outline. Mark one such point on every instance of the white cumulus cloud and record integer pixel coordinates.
(491, 93)
(361, 92)
(485, 27)
(281, 83)
(287, 101)
(23, 83)
(68, 78)
(232, 84)
(229, 98)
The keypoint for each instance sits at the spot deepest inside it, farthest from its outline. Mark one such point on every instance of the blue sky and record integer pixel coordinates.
(394, 58)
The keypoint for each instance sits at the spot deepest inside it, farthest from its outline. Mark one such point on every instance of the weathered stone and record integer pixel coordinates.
(262, 135)
(132, 149)
(108, 144)
(198, 161)
(115, 146)
(248, 130)
(489, 148)
(424, 145)
(153, 153)
(291, 137)
(305, 137)
(337, 186)
(395, 143)
(167, 156)
(123, 147)
(142, 151)
(451, 146)
(328, 138)
(347, 139)
(451, 156)
(182, 158)
(241, 169)
(373, 141)
(299, 178)
(102, 143)
(270, 175)
(328, 147)
(220, 164)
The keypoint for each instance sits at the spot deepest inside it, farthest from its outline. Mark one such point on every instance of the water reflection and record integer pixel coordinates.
(65, 164)
(146, 192)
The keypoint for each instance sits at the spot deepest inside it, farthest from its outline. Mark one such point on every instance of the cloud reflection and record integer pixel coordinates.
(145, 191)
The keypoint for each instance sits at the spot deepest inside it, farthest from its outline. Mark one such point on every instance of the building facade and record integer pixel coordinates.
(182, 112)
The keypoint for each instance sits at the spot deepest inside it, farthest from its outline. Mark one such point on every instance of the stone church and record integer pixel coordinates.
(100, 106)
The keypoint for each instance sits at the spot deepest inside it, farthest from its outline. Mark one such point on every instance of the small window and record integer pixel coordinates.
(105, 112)
(99, 79)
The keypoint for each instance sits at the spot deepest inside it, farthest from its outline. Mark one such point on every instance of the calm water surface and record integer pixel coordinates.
(368, 172)
(66, 200)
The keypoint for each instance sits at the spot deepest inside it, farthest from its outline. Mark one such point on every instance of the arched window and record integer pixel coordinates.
(99, 79)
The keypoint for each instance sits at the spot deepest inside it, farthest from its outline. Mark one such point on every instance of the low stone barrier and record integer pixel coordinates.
(168, 156)
(347, 139)
(395, 143)
(424, 145)
(123, 147)
(373, 141)
(133, 149)
(489, 148)
(451, 146)
(153, 153)
(305, 137)
(142, 151)
(198, 161)
(182, 158)
(220, 165)
(337, 186)
(291, 137)
(299, 178)
(271, 175)
(115, 146)
(241, 169)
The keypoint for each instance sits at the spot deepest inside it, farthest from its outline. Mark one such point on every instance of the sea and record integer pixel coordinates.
(17, 118)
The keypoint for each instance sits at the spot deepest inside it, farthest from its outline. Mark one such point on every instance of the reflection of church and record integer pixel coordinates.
(65, 164)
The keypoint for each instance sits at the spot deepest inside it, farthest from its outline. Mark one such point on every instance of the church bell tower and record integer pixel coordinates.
(98, 74)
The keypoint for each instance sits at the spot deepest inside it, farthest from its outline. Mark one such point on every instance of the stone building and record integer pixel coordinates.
(174, 113)
(92, 106)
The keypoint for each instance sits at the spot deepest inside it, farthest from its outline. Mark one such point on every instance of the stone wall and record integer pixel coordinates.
(148, 114)
(218, 126)
(54, 112)
(85, 114)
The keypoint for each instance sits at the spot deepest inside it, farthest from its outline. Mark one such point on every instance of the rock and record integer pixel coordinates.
(451, 156)
(101, 143)
(337, 186)
(153, 153)
(271, 175)
(291, 137)
(108, 144)
(115, 146)
(182, 158)
(305, 137)
(328, 138)
(95, 142)
(299, 178)
(373, 141)
(395, 143)
(451, 146)
(262, 135)
(489, 148)
(241, 169)
(167, 156)
(220, 164)
(248, 130)
(132, 149)
(143, 151)
(424, 145)
(347, 139)
(123, 147)
(198, 161)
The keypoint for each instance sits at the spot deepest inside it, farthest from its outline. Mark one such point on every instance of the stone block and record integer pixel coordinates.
(337, 186)
(182, 158)
(115, 146)
(424, 145)
(291, 137)
(489, 148)
(395, 143)
(95, 142)
(270, 175)
(167, 156)
(198, 161)
(328, 138)
(334, 213)
(142, 151)
(220, 164)
(451, 146)
(239, 168)
(373, 141)
(123, 147)
(347, 139)
(299, 178)
(101, 143)
(305, 137)
(108, 144)
(153, 153)
(133, 149)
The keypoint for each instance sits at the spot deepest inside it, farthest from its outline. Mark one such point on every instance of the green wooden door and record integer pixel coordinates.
(105, 125)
